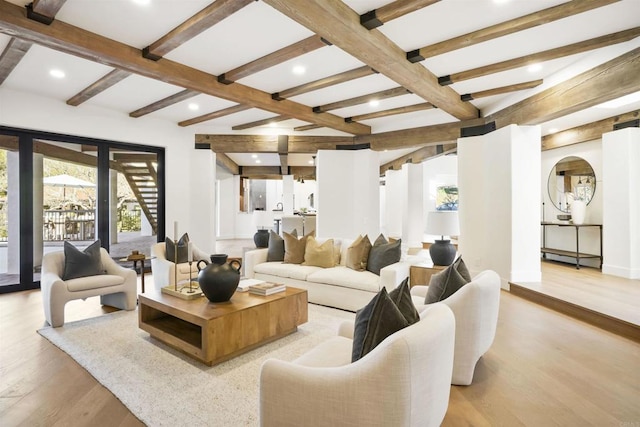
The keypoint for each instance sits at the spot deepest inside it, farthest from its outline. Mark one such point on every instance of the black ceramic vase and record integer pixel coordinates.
(219, 280)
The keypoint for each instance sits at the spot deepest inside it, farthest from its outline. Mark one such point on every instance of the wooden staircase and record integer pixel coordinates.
(141, 175)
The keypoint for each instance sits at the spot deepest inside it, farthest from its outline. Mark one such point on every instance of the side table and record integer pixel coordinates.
(142, 258)
(420, 274)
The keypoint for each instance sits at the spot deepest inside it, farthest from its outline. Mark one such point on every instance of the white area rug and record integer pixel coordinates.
(162, 387)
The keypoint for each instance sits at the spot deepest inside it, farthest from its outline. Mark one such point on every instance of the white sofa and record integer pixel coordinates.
(475, 307)
(339, 286)
(404, 381)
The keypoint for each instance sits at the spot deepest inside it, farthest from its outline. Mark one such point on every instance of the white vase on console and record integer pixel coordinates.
(578, 210)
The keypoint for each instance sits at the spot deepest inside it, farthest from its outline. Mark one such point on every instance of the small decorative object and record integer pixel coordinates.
(219, 280)
(442, 252)
(263, 220)
(578, 211)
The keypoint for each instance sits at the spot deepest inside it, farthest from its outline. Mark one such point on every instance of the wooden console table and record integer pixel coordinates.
(573, 254)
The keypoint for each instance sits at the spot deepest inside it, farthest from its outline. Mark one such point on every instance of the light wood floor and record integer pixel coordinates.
(544, 369)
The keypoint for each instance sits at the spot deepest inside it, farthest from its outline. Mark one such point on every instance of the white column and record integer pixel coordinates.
(348, 197)
(621, 203)
(287, 195)
(393, 203)
(202, 192)
(499, 210)
(412, 206)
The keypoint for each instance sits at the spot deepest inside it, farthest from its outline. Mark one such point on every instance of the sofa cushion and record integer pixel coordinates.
(346, 278)
(375, 322)
(358, 253)
(320, 255)
(293, 271)
(294, 248)
(79, 263)
(401, 296)
(275, 251)
(383, 254)
(446, 282)
(182, 247)
(93, 282)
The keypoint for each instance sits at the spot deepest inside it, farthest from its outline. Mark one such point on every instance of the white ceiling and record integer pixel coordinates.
(258, 29)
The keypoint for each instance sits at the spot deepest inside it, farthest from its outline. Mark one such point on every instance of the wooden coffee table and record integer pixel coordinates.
(215, 332)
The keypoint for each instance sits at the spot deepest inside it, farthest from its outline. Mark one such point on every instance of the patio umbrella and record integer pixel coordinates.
(65, 181)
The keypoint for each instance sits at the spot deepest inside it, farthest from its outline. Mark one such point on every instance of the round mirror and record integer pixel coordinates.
(572, 178)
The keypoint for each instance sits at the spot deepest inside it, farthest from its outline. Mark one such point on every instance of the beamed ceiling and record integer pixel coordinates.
(405, 77)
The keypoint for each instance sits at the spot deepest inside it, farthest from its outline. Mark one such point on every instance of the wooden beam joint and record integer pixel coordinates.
(33, 15)
(146, 53)
(478, 130)
(415, 56)
(370, 21)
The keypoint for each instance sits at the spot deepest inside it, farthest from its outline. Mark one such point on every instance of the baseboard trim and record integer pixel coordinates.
(602, 321)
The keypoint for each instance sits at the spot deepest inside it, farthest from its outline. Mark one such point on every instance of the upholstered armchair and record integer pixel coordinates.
(475, 307)
(163, 269)
(116, 288)
(404, 381)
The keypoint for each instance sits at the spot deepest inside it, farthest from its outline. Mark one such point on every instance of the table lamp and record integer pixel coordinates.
(443, 223)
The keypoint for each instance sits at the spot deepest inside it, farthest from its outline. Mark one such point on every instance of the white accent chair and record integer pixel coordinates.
(163, 269)
(117, 288)
(475, 307)
(404, 381)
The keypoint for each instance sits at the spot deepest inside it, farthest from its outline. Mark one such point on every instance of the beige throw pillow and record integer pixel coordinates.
(319, 255)
(294, 248)
(358, 253)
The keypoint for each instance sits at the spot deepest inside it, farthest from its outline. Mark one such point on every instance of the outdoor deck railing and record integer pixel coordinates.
(69, 225)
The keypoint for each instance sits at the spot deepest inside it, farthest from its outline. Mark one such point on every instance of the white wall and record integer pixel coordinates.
(347, 197)
(565, 237)
(393, 203)
(498, 181)
(437, 172)
(621, 189)
(182, 169)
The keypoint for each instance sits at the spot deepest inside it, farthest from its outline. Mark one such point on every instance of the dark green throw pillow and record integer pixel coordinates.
(183, 249)
(445, 283)
(82, 263)
(401, 296)
(375, 322)
(382, 254)
(275, 251)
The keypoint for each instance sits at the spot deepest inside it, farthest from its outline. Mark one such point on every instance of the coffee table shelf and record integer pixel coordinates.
(215, 332)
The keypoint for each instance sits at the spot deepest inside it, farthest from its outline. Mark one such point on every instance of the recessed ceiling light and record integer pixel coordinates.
(621, 102)
(58, 74)
(193, 106)
(254, 156)
(374, 103)
(299, 70)
(142, 2)
(310, 162)
(553, 130)
(534, 67)
(501, 1)
(258, 161)
(273, 124)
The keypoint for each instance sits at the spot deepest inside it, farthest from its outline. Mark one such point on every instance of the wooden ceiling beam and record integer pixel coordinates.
(298, 144)
(613, 79)
(383, 94)
(547, 55)
(392, 112)
(263, 122)
(420, 155)
(587, 132)
(227, 164)
(66, 38)
(500, 90)
(324, 82)
(531, 20)
(266, 171)
(201, 21)
(376, 17)
(44, 11)
(306, 127)
(214, 115)
(279, 56)
(11, 56)
(163, 103)
(339, 24)
(114, 76)
(414, 137)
